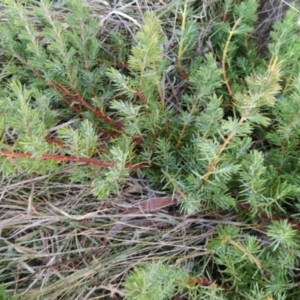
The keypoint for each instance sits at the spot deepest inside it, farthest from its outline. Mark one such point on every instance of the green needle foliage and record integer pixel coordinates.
(229, 142)
(4, 295)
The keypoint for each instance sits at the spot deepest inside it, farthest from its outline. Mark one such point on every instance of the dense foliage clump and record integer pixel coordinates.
(211, 124)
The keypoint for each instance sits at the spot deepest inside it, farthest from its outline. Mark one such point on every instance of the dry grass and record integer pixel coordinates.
(55, 242)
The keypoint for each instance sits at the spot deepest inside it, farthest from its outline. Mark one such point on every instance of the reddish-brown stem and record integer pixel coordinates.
(61, 143)
(182, 74)
(205, 282)
(71, 105)
(107, 133)
(54, 141)
(62, 158)
(142, 97)
(224, 19)
(106, 118)
(138, 140)
(78, 99)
